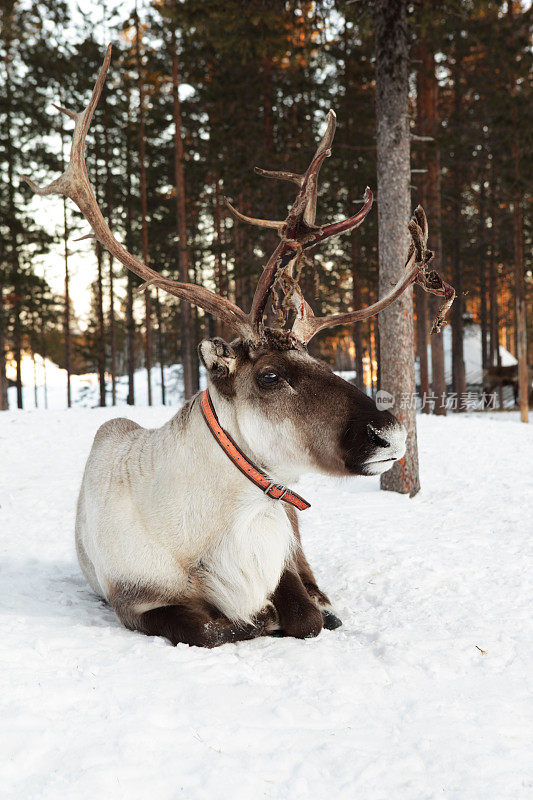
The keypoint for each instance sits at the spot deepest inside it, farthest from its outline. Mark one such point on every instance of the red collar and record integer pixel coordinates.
(247, 467)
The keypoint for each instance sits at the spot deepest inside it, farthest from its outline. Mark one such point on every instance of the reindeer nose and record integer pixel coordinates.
(375, 438)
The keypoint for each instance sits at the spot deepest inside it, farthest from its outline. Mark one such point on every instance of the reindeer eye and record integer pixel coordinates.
(268, 378)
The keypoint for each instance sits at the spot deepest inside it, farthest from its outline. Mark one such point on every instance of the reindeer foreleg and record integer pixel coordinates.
(191, 622)
(330, 618)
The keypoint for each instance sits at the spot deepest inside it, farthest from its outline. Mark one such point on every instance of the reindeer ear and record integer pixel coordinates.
(218, 357)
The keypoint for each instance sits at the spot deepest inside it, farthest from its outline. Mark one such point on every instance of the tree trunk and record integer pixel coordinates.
(357, 334)
(422, 348)
(130, 322)
(518, 248)
(66, 300)
(458, 364)
(499, 359)
(100, 352)
(520, 300)
(43, 349)
(429, 89)
(144, 206)
(483, 278)
(160, 346)
(396, 337)
(100, 318)
(12, 220)
(109, 204)
(66, 309)
(423, 113)
(371, 355)
(221, 280)
(4, 405)
(493, 314)
(357, 329)
(32, 354)
(190, 371)
(493, 280)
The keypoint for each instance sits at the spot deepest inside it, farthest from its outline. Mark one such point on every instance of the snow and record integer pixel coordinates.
(85, 390)
(398, 703)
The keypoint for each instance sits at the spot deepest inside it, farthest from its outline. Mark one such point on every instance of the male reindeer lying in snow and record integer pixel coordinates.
(188, 531)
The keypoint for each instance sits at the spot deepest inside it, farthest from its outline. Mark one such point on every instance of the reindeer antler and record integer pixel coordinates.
(306, 325)
(298, 232)
(74, 183)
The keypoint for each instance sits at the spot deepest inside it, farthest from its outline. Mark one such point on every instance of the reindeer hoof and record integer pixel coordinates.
(331, 621)
(302, 621)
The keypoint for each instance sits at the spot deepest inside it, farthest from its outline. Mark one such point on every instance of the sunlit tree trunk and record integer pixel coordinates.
(397, 374)
(371, 355)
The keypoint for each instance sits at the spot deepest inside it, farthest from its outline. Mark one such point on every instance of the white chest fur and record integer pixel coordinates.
(244, 566)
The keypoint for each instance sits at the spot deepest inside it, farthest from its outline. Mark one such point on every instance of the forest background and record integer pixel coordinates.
(199, 92)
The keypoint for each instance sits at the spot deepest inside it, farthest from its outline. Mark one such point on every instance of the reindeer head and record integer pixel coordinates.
(294, 414)
(283, 400)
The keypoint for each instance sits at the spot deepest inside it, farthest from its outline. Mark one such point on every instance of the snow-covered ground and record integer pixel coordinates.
(46, 387)
(398, 704)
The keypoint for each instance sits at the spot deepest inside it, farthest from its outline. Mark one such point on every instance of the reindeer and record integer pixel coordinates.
(496, 377)
(189, 531)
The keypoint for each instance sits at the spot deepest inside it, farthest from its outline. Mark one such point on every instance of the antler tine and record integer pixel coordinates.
(298, 231)
(306, 325)
(74, 183)
(260, 223)
(280, 175)
(296, 235)
(324, 151)
(420, 217)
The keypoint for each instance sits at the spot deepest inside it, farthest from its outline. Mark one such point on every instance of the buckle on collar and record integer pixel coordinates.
(283, 490)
